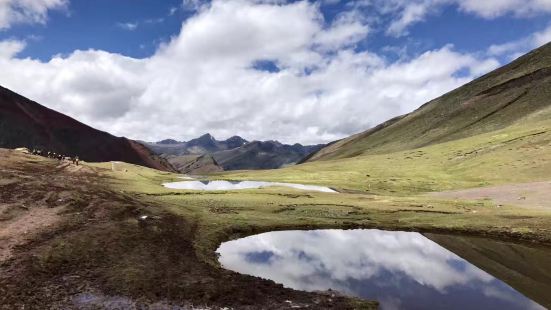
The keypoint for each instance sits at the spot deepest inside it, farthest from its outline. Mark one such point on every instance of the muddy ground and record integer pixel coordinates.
(67, 241)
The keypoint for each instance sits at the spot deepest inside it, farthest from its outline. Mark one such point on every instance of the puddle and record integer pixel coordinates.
(402, 270)
(236, 185)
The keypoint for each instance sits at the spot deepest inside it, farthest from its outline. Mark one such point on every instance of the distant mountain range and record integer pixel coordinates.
(205, 144)
(206, 154)
(25, 123)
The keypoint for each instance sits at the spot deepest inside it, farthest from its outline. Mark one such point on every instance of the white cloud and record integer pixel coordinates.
(496, 8)
(173, 11)
(27, 11)
(514, 49)
(411, 13)
(203, 80)
(541, 38)
(405, 13)
(128, 26)
(193, 4)
(10, 48)
(347, 29)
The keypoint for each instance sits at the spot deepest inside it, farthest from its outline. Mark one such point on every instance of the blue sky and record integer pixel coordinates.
(296, 71)
(98, 24)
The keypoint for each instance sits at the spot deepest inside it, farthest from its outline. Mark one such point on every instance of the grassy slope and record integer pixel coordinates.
(519, 153)
(224, 215)
(492, 102)
(461, 140)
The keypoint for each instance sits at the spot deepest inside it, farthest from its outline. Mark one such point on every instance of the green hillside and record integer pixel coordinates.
(495, 130)
(519, 153)
(516, 93)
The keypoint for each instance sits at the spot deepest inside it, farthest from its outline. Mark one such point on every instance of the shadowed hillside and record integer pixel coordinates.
(492, 102)
(25, 123)
(195, 164)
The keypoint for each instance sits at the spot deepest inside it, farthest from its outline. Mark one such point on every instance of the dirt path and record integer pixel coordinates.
(527, 195)
(31, 204)
(24, 228)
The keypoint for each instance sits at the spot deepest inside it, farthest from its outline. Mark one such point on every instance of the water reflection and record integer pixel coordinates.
(234, 185)
(402, 270)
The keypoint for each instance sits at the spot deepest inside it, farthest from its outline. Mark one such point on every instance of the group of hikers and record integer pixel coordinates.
(54, 155)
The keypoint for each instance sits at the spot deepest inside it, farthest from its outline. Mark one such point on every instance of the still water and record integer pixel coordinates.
(402, 270)
(234, 185)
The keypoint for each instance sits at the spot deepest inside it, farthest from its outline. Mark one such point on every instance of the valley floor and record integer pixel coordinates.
(72, 237)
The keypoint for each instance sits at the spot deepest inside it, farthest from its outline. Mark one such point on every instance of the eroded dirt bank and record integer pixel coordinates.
(68, 241)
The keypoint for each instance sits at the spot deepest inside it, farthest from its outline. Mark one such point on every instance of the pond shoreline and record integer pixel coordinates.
(224, 185)
(286, 256)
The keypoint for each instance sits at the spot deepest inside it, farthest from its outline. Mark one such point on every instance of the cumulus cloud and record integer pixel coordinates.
(26, 11)
(204, 79)
(10, 48)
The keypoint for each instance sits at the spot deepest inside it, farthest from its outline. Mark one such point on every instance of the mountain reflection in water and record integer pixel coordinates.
(402, 270)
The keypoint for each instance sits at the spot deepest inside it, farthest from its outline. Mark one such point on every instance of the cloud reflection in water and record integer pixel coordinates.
(402, 270)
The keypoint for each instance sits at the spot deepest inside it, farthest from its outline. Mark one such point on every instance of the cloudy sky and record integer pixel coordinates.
(296, 71)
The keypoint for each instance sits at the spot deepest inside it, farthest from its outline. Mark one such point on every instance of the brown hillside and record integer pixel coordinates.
(25, 123)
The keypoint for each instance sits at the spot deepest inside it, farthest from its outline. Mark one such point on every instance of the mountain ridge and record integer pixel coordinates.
(202, 145)
(491, 102)
(26, 123)
(234, 153)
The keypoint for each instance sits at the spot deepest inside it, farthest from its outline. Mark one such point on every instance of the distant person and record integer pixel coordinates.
(76, 160)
